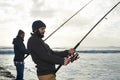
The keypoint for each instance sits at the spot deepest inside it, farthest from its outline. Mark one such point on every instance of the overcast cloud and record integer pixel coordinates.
(19, 14)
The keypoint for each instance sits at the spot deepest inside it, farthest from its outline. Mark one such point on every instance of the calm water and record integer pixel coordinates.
(89, 67)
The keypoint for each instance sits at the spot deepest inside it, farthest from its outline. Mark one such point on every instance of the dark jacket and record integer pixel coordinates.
(19, 49)
(43, 56)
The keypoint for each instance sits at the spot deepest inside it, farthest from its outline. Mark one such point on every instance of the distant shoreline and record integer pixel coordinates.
(11, 51)
(99, 51)
(85, 47)
(6, 47)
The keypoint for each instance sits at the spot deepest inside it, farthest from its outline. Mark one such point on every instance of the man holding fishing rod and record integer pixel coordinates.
(43, 56)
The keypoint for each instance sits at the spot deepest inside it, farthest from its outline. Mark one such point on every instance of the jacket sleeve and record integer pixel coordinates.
(60, 53)
(21, 47)
(44, 55)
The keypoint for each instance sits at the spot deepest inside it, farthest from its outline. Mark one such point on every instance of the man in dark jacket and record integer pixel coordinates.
(20, 51)
(43, 56)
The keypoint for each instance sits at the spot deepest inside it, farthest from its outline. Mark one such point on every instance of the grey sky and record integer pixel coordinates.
(19, 14)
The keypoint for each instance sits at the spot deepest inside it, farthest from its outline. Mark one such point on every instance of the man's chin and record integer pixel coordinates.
(42, 36)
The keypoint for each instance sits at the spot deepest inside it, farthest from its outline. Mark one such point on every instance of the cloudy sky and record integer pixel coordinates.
(19, 14)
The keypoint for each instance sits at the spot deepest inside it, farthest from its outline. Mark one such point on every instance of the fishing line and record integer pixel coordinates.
(65, 22)
(68, 19)
(90, 31)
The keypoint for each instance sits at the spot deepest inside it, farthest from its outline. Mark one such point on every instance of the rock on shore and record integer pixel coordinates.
(5, 75)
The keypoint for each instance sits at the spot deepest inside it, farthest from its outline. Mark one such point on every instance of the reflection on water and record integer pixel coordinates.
(88, 67)
(92, 67)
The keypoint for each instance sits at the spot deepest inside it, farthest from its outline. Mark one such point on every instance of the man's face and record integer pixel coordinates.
(42, 31)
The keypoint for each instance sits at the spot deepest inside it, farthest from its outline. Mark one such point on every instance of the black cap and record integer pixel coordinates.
(37, 24)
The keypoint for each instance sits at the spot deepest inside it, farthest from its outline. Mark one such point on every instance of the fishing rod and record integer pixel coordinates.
(68, 19)
(65, 22)
(90, 31)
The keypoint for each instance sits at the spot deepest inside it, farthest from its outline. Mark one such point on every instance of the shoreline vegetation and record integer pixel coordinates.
(5, 74)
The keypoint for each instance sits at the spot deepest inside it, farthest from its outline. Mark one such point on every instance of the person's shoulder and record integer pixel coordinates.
(16, 39)
(33, 37)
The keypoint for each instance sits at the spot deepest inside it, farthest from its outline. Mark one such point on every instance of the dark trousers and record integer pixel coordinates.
(20, 70)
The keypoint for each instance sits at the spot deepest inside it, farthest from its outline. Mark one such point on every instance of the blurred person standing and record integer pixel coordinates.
(20, 51)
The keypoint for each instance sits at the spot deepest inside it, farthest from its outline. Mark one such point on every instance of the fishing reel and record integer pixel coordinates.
(74, 57)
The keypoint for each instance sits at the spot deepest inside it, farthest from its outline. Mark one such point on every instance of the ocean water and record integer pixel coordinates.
(90, 66)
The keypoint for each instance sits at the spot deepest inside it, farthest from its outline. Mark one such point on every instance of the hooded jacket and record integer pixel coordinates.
(43, 56)
(19, 49)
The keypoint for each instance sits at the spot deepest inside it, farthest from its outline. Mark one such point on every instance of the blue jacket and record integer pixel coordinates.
(19, 49)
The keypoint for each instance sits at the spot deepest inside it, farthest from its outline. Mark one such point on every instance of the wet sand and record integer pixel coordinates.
(5, 75)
